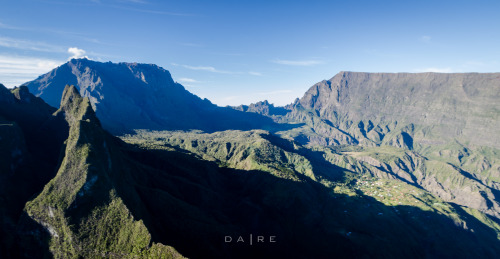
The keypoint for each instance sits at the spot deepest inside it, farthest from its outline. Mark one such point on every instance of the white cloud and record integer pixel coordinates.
(297, 62)
(255, 73)
(188, 80)
(435, 69)
(29, 45)
(16, 70)
(9, 27)
(76, 53)
(204, 68)
(425, 38)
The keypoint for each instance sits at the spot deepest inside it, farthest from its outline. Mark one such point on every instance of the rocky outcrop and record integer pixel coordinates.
(82, 199)
(461, 106)
(264, 108)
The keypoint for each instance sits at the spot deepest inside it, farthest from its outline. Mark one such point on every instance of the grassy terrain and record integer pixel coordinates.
(362, 190)
(168, 194)
(79, 207)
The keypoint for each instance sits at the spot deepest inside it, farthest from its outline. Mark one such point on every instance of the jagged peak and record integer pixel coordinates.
(22, 93)
(3, 90)
(265, 102)
(75, 107)
(70, 95)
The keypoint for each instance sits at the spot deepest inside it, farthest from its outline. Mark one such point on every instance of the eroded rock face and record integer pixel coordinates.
(460, 106)
(450, 121)
(129, 96)
(375, 197)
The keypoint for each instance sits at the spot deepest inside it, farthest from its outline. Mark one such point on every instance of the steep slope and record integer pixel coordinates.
(343, 212)
(80, 207)
(128, 96)
(264, 108)
(31, 138)
(441, 107)
(192, 190)
(446, 125)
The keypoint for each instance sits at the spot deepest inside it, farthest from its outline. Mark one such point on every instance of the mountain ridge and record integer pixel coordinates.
(130, 96)
(413, 98)
(450, 118)
(339, 175)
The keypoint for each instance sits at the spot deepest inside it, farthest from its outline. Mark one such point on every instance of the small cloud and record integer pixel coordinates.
(76, 53)
(435, 69)
(425, 38)
(297, 62)
(15, 70)
(204, 68)
(188, 80)
(255, 73)
(9, 27)
(29, 45)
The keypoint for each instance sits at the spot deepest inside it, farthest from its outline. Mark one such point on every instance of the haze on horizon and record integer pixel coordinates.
(241, 52)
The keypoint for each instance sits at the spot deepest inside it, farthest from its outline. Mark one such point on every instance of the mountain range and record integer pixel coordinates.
(127, 96)
(119, 161)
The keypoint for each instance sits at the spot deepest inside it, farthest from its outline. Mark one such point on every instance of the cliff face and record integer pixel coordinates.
(129, 96)
(401, 188)
(444, 106)
(447, 123)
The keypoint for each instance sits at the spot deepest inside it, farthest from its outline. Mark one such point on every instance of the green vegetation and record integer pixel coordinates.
(79, 207)
(371, 189)
(377, 182)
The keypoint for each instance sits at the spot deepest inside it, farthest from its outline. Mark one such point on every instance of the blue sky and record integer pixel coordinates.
(238, 52)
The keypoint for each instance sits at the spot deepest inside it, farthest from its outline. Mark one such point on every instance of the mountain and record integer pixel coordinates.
(129, 96)
(264, 108)
(60, 170)
(323, 203)
(156, 194)
(30, 142)
(364, 165)
(422, 108)
(444, 128)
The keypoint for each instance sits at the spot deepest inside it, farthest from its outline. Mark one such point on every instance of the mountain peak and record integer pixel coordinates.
(413, 98)
(128, 96)
(69, 94)
(75, 107)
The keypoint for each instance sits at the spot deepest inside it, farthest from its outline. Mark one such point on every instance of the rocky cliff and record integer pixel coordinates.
(129, 96)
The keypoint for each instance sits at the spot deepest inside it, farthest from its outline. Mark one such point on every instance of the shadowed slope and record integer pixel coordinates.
(191, 190)
(79, 207)
(260, 184)
(31, 139)
(128, 96)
